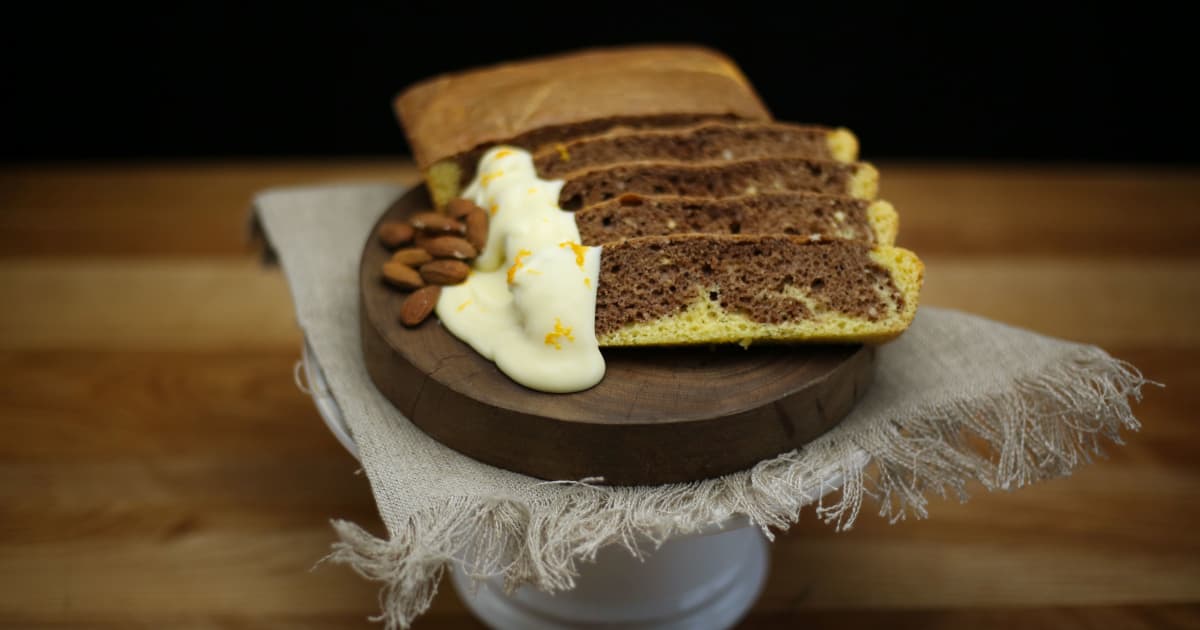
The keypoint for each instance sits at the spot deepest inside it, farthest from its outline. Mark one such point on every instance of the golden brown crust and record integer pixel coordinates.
(453, 113)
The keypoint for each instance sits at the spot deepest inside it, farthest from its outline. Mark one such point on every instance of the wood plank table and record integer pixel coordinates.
(158, 468)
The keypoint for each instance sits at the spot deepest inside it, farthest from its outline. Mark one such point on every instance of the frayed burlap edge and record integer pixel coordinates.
(1043, 427)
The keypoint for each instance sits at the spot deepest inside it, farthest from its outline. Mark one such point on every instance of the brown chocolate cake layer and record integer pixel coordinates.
(650, 278)
(710, 179)
(545, 138)
(795, 213)
(705, 142)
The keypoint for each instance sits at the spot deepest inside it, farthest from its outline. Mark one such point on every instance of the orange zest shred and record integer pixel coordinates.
(578, 249)
(560, 331)
(503, 153)
(494, 209)
(464, 305)
(562, 152)
(488, 177)
(587, 282)
(518, 262)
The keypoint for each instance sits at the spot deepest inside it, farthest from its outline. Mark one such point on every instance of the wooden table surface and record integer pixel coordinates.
(158, 468)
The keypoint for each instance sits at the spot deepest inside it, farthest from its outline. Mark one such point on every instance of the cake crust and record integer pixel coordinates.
(454, 113)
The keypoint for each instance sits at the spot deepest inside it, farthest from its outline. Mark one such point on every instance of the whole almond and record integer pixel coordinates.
(434, 222)
(458, 208)
(412, 256)
(450, 247)
(401, 275)
(477, 228)
(445, 271)
(395, 233)
(419, 305)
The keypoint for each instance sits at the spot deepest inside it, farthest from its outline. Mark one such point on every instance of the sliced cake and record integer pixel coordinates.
(801, 214)
(717, 140)
(451, 119)
(697, 288)
(719, 179)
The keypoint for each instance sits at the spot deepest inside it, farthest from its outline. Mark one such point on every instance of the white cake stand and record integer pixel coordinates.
(706, 580)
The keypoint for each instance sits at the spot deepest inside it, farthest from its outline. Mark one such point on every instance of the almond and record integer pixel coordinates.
(477, 228)
(458, 208)
(434, 222)
(395, 233)
(445, 271)
(412, 256)
(401, 275)
(419, 305)
(450, 247)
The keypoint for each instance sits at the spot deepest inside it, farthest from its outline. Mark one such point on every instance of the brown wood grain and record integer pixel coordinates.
(656, 417)
(159, 468)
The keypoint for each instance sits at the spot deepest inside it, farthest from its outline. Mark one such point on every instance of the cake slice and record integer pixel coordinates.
(719, 179)
(795, 213)
(717, 140)
(700, 288)
(451, 119)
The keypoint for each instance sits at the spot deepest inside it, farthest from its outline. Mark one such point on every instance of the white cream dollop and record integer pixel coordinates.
(529, 304)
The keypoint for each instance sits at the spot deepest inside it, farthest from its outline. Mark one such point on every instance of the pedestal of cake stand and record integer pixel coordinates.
(706, 580)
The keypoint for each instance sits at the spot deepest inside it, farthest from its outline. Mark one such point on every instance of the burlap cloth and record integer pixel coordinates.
(956, 399)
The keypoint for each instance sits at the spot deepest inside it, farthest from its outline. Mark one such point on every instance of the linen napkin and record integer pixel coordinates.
(955, 399)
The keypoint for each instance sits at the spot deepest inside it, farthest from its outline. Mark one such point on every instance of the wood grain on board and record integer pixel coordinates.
(160, 469)
(660, 415)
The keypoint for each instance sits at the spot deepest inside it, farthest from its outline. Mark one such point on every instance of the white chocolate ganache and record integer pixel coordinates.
(529, 303)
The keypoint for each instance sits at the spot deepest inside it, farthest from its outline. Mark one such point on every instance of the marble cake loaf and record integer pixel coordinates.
(716, 223)
(451, 119)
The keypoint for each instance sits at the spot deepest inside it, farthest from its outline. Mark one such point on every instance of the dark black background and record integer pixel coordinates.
(1073, 83)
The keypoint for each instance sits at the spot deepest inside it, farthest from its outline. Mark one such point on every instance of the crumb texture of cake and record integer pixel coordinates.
(710, 141)
(447, 177)
(719, 179)
(797, 214)
(695, 289)
(526, 103)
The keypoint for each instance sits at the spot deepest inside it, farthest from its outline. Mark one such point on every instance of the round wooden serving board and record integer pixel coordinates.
(660, 415)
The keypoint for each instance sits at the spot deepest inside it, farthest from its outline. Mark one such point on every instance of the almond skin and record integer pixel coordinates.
(458, 208)
(401, 275)
(438, 223)
(412, 256)
(477, 228)
(417, 307)
(445, 271)
(450, 247)
(395, 233)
